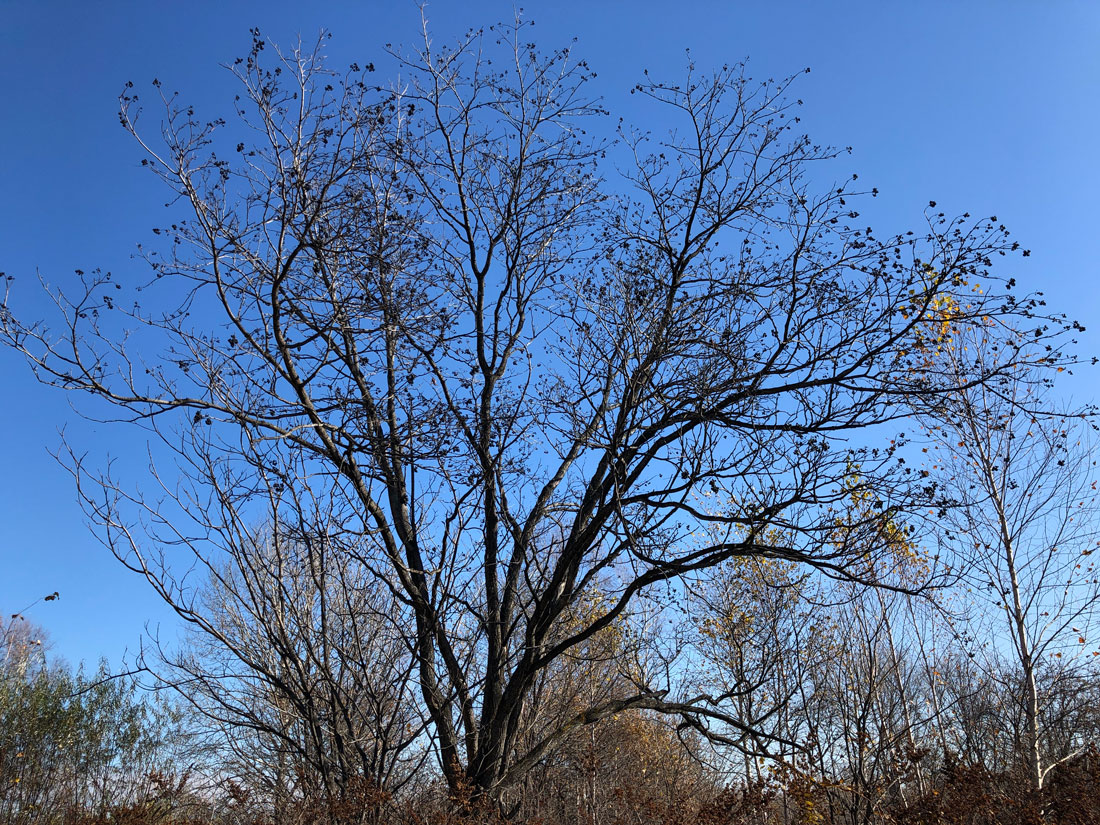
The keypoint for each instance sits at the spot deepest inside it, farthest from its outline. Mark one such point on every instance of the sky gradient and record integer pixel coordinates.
(986, 107)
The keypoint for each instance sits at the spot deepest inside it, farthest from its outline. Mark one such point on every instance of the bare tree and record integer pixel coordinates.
(299, 661)
(760, 627)
(513, 378)
(1024, 481)
(296, 653)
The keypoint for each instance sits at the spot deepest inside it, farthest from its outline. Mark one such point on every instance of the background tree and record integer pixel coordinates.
(761, 632)
(295, 664)
(510, 377)
(1024, 483)
(74, 745)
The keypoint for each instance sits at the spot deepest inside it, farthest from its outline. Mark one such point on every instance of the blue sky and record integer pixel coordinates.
(988, 107)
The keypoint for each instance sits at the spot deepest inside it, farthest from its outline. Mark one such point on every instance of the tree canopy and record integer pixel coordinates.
(461, 334)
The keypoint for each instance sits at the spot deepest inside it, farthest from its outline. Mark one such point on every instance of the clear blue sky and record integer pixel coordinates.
(990, 107)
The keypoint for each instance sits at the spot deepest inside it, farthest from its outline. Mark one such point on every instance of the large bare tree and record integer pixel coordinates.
(515, 373)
